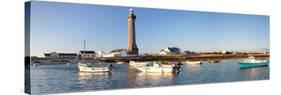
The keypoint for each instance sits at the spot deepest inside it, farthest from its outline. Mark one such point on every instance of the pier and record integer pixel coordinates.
(197, 57)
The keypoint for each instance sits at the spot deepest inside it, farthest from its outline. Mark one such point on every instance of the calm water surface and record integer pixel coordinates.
(66, 78)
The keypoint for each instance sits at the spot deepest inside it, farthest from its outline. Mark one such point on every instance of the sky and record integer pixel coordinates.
(62, 27)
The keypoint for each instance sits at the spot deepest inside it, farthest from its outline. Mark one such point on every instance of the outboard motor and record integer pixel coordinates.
(177, 67)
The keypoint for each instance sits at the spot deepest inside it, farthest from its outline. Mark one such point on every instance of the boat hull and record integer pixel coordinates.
(138, 64)
(193, 62)
(155, 70)
(251, 64)
(93, 69)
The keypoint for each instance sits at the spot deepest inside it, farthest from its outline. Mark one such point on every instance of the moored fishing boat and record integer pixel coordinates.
(193, 62)
(252, 62)
(96, 67)
(120, 62)
(160, 68)
(93, 66)
(139, 63)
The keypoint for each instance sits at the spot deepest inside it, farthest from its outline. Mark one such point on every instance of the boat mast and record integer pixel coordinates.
(84, 49)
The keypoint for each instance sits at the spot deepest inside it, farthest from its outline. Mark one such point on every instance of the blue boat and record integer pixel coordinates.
(252, 62)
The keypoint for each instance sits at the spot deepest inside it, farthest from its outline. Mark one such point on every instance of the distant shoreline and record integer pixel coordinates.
(197, 57)
(176, 57)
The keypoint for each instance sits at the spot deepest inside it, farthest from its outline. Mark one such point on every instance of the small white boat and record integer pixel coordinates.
(96, 67)
(120, 62)
(157, 68)
(193, 62)
(93, 66)
(139, 63)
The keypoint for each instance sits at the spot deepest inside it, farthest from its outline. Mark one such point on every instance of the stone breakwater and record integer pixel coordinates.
(197, 57)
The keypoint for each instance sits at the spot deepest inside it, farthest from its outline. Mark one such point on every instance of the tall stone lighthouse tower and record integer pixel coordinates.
(132, 46)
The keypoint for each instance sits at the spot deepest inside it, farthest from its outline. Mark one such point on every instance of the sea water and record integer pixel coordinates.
(62, 78)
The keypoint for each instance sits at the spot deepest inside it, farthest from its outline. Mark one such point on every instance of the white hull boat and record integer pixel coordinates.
(139, 64)
(93, 68)
(120, 62)
(193, 62)
(157, 68)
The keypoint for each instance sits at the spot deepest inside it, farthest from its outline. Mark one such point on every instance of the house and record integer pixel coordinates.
(163, 52)
(55, 55)
(233, 52)
(223, 52)
(100, 54)
(113, 53)
(170, 50)
(108, 55)
(119, 52)
(87, 54)
(188, 52)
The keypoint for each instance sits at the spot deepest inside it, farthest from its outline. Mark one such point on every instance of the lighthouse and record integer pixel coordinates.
(132, 45)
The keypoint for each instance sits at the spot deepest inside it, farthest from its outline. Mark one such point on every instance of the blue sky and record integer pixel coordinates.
(61, 27)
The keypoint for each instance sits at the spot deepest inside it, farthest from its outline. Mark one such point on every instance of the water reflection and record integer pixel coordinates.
(83, 76)
(214, 61)
(154, 79)
(62, 78)
(252, 72)
(98, 79)
(193, 66)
